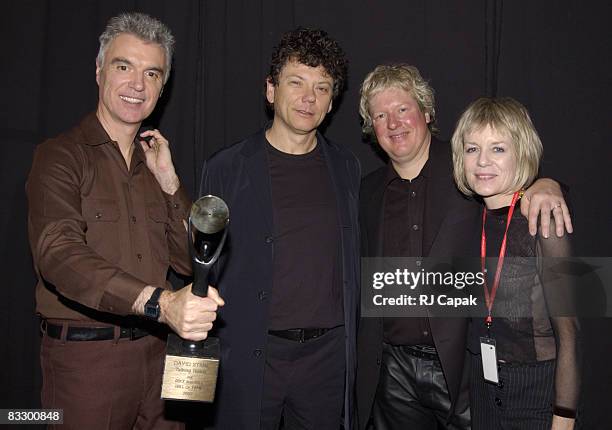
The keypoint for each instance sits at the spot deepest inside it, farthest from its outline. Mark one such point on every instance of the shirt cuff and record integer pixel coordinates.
(120, 294)
(564, 412)
(179, 204)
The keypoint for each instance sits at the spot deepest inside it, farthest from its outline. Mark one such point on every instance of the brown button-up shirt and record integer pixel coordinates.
(99, 232)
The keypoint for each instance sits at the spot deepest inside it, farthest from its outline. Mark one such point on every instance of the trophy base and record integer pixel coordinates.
(190, 369)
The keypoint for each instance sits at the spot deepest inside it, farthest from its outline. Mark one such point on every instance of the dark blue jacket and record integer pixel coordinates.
(239, 175)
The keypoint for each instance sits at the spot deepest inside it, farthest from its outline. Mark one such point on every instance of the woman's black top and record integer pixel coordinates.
(533, 316)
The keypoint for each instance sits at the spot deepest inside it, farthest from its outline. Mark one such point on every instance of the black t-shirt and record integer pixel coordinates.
(306, 290)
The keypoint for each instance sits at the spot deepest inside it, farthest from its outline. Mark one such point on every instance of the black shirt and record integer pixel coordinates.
(306, 289)
(404, 207)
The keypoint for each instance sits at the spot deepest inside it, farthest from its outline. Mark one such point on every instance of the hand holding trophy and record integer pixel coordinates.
(191, 368)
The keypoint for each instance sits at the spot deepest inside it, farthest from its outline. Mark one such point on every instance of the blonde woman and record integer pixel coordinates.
(525, 362)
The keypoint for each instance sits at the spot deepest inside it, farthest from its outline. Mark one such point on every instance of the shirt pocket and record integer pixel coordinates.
(158, 221)
(102, 217)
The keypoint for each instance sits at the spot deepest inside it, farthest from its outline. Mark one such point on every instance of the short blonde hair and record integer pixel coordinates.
(507, 117)
(402, 76)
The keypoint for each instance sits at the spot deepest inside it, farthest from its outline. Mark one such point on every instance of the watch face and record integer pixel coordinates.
(152, 310)
(151, 307)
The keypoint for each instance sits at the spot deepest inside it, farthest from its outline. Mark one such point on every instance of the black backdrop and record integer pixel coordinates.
(552, 55)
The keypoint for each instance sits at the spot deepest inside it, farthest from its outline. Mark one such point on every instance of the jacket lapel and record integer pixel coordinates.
(374, 216)
(258, 177)
(437, 193)
(338, 173)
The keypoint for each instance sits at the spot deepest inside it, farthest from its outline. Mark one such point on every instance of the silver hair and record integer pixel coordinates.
(144, 27)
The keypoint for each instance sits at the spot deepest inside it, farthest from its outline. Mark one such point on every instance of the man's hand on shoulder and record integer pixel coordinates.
(544, 198)
(159, 160)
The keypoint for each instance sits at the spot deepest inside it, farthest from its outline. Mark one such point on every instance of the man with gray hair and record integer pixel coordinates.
(106, 212)
(410, 370)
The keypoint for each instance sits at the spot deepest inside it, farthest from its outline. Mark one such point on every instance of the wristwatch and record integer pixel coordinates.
(151, 308)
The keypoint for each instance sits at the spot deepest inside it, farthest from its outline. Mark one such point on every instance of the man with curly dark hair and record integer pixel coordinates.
(312, 48)
(290, 278)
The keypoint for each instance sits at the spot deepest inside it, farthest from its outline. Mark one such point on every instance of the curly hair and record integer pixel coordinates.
(402, 76)
(311, 47)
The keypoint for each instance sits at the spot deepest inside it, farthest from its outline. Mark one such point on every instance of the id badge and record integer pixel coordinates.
(489, 359)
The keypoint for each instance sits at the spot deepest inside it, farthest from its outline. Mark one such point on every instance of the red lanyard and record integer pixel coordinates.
(490, 297)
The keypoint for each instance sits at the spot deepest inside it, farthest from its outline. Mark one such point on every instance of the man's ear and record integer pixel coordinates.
(98, 68)
(331, 103)
(161, 91)
(270, 90)
(427, 118)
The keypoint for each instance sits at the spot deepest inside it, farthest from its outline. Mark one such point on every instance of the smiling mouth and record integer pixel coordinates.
(131, 100)
(304, 112)
(398, 136)
(485, 176)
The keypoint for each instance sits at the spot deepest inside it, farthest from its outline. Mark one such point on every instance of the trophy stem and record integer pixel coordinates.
(202, 263)
(200, 279)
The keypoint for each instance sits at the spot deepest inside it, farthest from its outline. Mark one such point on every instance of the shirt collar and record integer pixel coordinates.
(95, 135)
(93, 131)
(392, 174)
(138, 154)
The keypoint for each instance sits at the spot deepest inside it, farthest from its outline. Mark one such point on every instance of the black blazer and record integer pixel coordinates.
(445, 208)
(240, 175)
